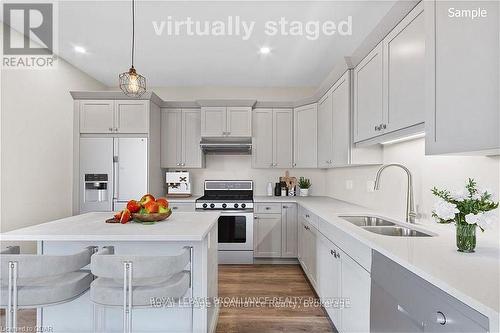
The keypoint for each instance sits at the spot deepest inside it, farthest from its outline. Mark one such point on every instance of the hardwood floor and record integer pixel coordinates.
(270, 284)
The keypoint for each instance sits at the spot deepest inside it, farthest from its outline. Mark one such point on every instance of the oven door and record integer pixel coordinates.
(235, 231)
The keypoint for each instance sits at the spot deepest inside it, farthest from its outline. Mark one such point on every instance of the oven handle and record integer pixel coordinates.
(230, 212)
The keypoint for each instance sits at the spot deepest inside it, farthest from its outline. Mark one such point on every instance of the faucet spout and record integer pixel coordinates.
(410, 201)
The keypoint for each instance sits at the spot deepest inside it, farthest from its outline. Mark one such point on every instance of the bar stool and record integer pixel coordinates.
(35, 281)
(132, 281)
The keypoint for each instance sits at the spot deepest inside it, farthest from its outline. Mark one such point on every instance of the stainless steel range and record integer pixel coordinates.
(234, 198)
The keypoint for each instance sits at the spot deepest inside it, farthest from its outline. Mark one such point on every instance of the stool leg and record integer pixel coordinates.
(11, 316)
(127, 297)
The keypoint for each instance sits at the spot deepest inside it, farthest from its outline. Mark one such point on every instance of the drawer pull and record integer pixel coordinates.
(175, 207)
(307, 215)
(268, 208)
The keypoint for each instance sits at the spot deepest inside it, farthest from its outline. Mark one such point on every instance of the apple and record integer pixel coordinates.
(162, 202)
(133, 206)
(163, 209)
(126, 216)
(151, 207)
(146, 198)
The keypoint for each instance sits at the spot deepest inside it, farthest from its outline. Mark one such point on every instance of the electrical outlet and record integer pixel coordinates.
(348, 184)
(370, 186)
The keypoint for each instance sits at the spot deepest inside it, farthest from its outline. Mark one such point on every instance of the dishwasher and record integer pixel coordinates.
(401, 301)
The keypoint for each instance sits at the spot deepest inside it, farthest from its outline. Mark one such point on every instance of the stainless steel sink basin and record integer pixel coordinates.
(367, 221)
(396, 231)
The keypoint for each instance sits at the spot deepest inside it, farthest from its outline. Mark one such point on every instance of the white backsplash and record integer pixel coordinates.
(227, 167)
(448, 172)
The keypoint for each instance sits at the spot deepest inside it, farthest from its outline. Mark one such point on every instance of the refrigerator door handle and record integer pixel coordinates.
(115, 177)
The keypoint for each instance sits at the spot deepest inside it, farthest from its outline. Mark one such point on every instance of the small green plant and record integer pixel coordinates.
(304, 182)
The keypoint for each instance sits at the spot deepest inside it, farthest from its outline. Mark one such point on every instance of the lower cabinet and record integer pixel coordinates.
(267, 236)
(308, 255)
(275, 230)
(344, 287)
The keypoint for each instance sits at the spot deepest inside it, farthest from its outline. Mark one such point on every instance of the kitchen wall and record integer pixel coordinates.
(37, 143)
(449, 172)
(240, 167)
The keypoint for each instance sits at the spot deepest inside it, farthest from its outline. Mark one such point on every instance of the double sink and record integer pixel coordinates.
(381, 226)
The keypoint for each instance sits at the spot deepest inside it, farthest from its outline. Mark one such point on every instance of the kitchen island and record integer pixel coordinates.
(69, 235)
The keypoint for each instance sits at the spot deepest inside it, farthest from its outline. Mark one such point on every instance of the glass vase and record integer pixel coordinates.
(466, 237)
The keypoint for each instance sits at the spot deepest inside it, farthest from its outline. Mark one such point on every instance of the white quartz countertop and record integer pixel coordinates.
(192, 226)
(473, 278)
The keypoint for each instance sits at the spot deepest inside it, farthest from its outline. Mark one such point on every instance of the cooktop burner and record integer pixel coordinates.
(227, 195)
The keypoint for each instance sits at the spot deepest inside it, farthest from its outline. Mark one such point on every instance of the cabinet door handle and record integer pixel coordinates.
(116, 129)
(111, 129)
(383, 126)
(332, 252)
(376, 128)
(440, 318)
(175, 207)
(294, 165)
(307, 215)
(285, 207)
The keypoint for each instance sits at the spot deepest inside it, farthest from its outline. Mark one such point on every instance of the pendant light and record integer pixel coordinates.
(131, 83)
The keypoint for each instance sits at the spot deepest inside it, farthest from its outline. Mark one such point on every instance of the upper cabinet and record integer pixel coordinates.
(462, 78)
(335, 147)
(334, 135)
(305, 139)
(404, 64)
(368, 95)
(272, 138)
(226, 121)
(180, 138)
(114, 116)
(389, 92)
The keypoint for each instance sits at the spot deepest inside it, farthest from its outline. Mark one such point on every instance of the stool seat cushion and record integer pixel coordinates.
(48, 290)
(109, 292)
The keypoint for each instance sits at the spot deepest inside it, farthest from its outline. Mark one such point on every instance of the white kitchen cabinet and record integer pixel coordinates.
(272, 138)
(329, 280)
(305, 137)
(308, 248)
(289, 230)
(282, 138)
(267, 236)
(213, 121)
(368, 95)
(325, 132)
(239, 121)
(342, 279)
(171, 138)
(226, 121)
(389, 89)
(97, 116)
(462, 78)
(180, 138)
(262, 139)
(109, 116)
(356, 284)
(404, 70)
(131, 116)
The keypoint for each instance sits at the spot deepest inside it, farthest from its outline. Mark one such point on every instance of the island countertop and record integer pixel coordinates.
(189, 226)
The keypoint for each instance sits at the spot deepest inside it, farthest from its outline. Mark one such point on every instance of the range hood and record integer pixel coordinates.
(226, 146)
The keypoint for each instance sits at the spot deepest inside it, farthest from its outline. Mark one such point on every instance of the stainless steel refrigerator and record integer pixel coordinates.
(112, 172)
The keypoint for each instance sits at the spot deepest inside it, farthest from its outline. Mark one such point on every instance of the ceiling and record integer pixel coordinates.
(104, 29)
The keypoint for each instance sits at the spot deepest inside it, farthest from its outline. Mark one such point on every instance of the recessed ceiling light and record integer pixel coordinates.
(79, 49)
(265, 50)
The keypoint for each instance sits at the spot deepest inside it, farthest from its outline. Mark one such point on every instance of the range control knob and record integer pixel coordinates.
(235, 205)
(243, 205)
(212, 206)
(205, 205)
(224, 205)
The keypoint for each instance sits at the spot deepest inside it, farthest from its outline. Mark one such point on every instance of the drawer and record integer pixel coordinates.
(267, 208)
(182, 206)
(309, 217)
(358, 251)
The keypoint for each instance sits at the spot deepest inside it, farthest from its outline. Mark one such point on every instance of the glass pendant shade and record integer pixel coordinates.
(132, 84)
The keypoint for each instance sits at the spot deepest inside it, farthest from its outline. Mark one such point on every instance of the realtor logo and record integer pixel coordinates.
(28, 35)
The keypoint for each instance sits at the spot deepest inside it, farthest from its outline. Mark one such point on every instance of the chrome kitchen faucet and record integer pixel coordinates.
(410, 202)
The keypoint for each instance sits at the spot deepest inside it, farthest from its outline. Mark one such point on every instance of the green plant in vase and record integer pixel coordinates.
(304, 185)
(469, 209)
